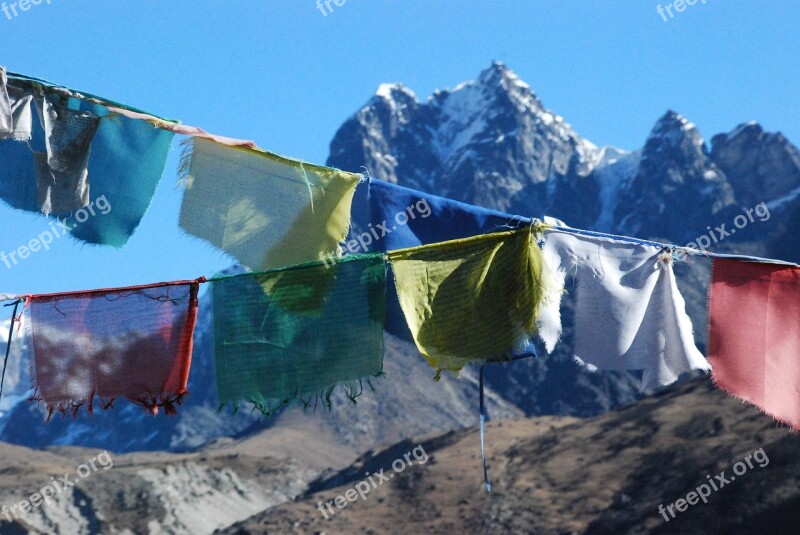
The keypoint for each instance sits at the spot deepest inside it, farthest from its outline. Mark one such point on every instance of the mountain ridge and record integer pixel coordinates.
(507, 151)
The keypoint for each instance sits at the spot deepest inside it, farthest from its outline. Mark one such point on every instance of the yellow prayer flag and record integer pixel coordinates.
(266, 210)
(471, 299)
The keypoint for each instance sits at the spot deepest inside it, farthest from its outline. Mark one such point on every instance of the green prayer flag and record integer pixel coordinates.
(296, 333)
(471, 299)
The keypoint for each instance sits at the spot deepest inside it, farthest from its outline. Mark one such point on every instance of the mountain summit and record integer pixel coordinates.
(492, 142)
(484, 141)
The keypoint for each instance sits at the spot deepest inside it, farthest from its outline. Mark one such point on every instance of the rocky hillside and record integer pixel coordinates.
(609, 474)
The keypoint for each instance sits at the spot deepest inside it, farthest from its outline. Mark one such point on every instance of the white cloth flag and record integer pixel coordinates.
(15, 113)
(629, 313)
(6, 119)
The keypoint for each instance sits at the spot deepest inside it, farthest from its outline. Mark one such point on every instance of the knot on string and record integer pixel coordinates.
(667, 256)
(365, 176)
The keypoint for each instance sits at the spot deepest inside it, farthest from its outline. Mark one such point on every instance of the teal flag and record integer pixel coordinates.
(297, 333)
(94, 169)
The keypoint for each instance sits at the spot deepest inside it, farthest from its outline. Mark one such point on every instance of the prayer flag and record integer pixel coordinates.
(388, 217)
(128, 342)
(79, 157)
(471, 299)
(629, 313)
(265, 210)
(754, 335)
(296, 333)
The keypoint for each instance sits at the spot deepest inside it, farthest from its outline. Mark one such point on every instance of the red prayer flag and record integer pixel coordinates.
(754, 339)
(132, 342)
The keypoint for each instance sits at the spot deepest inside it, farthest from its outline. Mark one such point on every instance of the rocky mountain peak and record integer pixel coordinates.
(673, 129)
(500, 79)
(676, 149)
(397, 99)
(483, 141)
(674, 171)
(761, 166)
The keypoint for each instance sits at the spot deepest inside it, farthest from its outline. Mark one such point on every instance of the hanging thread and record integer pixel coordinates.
(8, 345)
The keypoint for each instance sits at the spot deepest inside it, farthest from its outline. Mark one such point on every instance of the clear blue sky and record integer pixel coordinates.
(281, 73)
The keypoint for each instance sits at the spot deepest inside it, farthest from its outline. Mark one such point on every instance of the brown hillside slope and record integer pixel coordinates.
(605, 475)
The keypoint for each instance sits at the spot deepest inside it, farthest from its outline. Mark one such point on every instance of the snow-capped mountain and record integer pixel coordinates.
(493, 143)
(490, 142)
(674, 172)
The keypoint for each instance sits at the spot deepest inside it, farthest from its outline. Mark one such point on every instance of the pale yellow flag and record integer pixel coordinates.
(265, 210)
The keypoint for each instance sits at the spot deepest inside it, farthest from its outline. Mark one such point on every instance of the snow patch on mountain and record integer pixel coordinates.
(784, 200)
(614, 171)
(461, 119)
